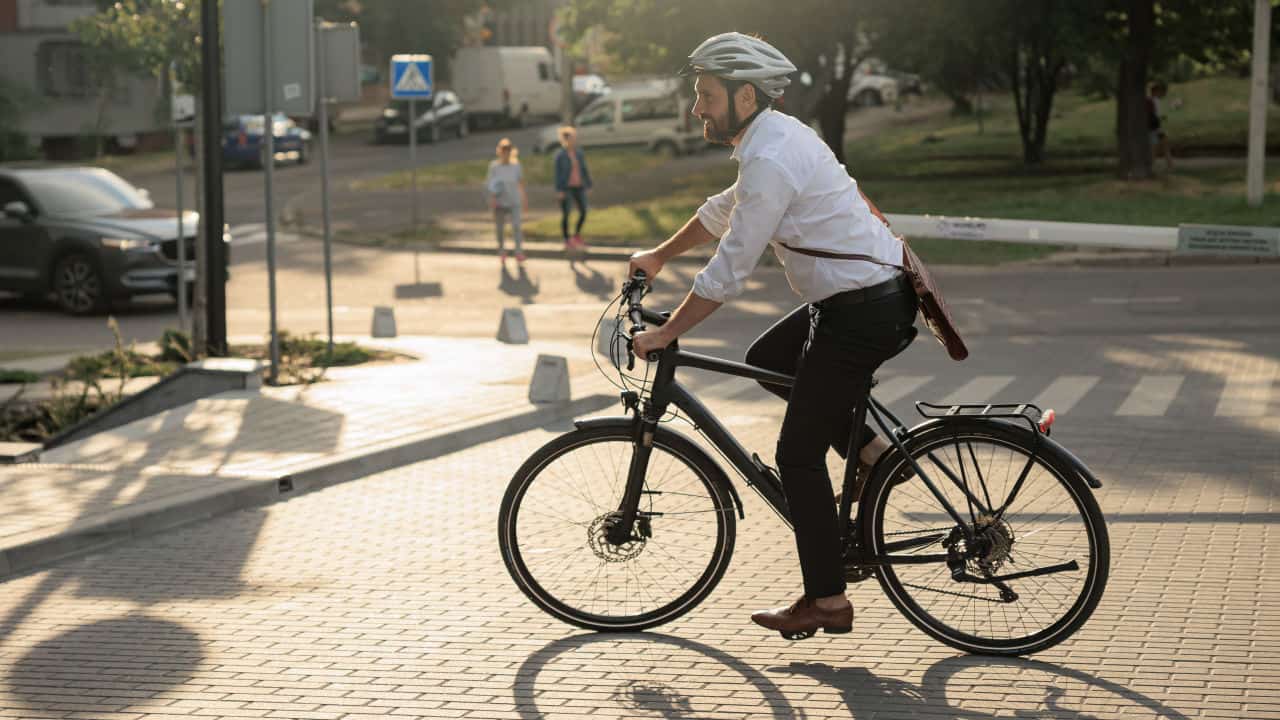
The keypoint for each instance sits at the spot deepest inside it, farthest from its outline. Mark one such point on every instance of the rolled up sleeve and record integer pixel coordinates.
(714, 213)
(760, 198)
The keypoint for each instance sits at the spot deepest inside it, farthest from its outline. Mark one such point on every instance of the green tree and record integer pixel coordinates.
(15, 102)
(825, 40)
(1143, 35)
(388, 27)
(139, 37)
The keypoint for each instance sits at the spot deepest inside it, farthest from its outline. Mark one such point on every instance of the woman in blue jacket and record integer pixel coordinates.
(573, 180)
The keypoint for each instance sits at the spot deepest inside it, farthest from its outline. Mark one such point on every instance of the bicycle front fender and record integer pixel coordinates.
(686, 445)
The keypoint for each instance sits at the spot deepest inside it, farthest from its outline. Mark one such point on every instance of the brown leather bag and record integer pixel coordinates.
(937, 316)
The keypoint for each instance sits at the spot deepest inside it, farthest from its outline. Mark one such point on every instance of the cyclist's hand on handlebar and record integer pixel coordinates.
(643, 343)
(648, 261)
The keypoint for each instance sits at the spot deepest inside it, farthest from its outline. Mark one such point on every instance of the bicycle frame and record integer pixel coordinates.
(666, 390)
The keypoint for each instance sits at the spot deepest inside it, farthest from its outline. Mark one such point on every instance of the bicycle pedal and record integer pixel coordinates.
(858, 573)
(797, 635)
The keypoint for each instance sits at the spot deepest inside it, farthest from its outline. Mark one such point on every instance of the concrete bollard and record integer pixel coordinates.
(511, 328)
(384, 322)
(550, 382)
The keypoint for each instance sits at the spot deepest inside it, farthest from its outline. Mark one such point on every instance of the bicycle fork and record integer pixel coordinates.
(627, 524)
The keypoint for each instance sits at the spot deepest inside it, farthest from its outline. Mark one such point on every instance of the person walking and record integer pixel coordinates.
(1155, 124)
(792, 194)
(573, 180)
(507, 197)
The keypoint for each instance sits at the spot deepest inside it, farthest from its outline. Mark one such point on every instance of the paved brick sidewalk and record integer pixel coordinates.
(386, 598)
(246, 448)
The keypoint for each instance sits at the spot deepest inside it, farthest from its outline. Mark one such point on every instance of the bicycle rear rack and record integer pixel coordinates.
(1039, 420)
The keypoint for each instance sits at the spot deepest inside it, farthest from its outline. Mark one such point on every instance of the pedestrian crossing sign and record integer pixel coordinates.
(411, 76)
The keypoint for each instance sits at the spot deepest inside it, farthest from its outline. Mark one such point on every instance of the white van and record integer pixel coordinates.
(504, 85)
(652, 115)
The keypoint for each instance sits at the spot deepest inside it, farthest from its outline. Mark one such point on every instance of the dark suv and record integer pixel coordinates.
(88, 237)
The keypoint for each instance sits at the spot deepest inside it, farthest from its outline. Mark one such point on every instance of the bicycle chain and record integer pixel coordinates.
(952, 593)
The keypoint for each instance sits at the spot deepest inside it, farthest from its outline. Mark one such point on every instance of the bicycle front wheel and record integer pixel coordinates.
(554, 517)
(1029, 575)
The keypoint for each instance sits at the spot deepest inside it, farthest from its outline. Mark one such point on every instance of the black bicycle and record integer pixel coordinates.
(981, 529)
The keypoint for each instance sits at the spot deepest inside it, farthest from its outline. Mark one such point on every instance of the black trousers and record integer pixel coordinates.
(833, 349)
(578, 196)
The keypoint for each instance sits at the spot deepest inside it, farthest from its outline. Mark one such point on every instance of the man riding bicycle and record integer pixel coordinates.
(792, 193)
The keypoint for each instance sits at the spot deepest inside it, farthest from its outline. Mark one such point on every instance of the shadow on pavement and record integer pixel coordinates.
(642, 697)
(1033, 688)
(412, 291)
(592, 281)
(161, 655)
(519, 285)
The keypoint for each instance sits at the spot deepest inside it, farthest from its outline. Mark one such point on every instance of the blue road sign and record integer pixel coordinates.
(411, 76)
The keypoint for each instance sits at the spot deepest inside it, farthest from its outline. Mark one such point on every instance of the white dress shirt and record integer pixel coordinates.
(790, 189)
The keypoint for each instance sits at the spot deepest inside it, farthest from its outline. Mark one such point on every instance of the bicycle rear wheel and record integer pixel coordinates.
(1053, 526)
(551, 530)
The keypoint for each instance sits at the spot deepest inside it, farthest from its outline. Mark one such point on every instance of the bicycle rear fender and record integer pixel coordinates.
(1049, 446)
(628, 422)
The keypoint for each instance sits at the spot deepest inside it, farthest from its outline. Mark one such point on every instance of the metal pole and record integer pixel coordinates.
(182, 239)
(211, 153)
(324, 184)
(268, 166)
(413, 183)
(1258, 102)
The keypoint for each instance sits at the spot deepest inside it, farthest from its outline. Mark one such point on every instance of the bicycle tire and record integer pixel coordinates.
(607, 450)
(891, 504)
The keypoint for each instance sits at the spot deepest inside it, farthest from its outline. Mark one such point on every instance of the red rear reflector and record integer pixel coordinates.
(243, 140)
(1046, 420)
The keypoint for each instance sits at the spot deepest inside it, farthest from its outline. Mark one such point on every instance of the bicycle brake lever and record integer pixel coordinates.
(631, 356)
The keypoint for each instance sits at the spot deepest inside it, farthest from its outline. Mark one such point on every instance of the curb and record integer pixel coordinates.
(102, 531)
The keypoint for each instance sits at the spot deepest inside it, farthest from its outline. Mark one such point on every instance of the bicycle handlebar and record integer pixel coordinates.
(635, 290)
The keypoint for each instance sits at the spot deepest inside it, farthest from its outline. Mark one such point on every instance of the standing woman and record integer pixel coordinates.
(505, 185)
(573, 180)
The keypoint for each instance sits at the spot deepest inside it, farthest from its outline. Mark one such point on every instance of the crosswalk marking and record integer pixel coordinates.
(978, 390)
(1245, 396)
(1064, 392)
(1152, 396)
(254, 233)
(896, 388)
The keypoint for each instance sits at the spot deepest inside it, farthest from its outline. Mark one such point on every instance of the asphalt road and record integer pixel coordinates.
(352, 157)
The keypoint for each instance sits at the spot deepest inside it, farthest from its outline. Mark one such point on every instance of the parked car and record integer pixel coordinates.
(506, 85)
(242, 141)
(652, 115)
(442, 115)
(870, 88)
(88, 237)
(586, 89)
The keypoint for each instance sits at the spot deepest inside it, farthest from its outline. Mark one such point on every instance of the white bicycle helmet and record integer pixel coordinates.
(742, 58)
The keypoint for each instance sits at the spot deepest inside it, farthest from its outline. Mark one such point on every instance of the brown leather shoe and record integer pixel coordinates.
(803, 618)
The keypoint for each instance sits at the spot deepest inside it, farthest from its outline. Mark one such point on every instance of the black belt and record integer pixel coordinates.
(899, 284)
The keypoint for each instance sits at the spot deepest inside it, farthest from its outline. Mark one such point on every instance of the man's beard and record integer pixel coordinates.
(714, 132)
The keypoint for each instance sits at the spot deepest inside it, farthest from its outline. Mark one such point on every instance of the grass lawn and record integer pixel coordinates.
(430, 234)
(943, 166)
(537, 170)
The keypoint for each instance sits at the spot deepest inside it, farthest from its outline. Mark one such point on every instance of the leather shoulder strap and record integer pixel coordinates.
(839, 256)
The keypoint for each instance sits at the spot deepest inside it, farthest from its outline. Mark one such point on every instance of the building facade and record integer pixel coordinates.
(47, 65)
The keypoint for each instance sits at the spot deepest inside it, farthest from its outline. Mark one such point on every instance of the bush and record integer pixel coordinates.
(175, 347)
(18, 376)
